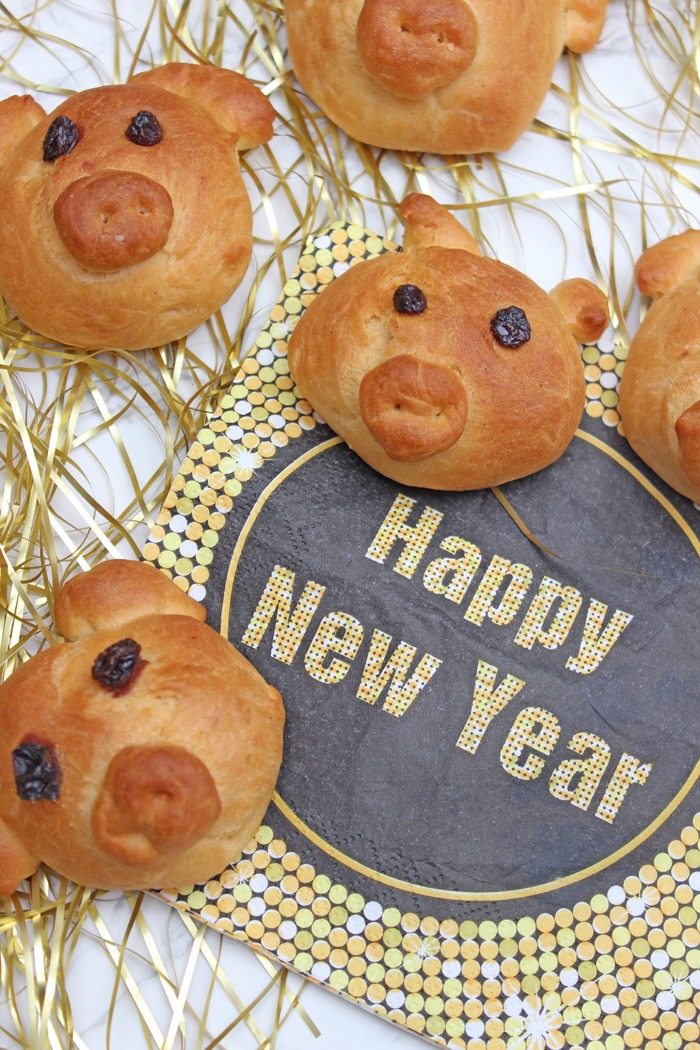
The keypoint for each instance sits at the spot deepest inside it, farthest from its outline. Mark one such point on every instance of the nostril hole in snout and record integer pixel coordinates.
(113, 219)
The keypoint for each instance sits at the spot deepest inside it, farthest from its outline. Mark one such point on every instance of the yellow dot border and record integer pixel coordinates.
(621, 969)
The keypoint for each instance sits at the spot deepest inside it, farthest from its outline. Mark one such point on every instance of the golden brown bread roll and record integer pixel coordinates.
(446, 76)
(441, 368)
(659, 390)
(125, 219)
(143, 754)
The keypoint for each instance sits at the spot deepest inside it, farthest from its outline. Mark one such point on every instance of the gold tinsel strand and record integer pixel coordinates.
(60, 408)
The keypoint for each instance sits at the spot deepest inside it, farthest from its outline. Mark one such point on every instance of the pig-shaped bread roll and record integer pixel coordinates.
(125, 219)
(140, 753)
(439, 76)
(442, 368)
(659, 392)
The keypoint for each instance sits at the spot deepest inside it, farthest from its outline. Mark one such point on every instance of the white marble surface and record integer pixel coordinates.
(623, 93)
(334, 1023)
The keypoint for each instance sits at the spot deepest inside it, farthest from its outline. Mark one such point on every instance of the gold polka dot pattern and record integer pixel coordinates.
(619, 970)
(629, 771)
(276, 595)
(339, 633)
(534, 729)
(587, 773)
(602, 367)
(566, 600)
(414, 537)
(459, 573)
(517, 587)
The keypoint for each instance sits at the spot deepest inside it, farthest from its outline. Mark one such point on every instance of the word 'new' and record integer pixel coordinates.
(337, 641)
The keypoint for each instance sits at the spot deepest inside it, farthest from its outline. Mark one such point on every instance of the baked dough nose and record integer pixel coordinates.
(414, 47)
(415, 409)
(688, 434)
(156, 800)
(113, 219)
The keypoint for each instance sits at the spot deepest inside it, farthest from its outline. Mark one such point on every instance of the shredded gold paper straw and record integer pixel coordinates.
(65, 412)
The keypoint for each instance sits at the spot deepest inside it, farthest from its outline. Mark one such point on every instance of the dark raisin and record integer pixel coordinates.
(115, 667)
(511, 327)
(144, 129)
(37, 772)
(409, 300)
(61, 138)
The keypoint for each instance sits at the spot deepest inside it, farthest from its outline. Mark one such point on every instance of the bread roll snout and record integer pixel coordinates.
(156, 800)
(113, 219)
(413, 408)
(412, 48)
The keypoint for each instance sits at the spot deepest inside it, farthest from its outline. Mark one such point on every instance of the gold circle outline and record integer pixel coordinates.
(430, 891)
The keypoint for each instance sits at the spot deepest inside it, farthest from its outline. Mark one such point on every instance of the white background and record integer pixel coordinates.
(548, 242)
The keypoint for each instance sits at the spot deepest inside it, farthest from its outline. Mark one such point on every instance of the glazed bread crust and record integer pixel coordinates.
(165, 283)
(660, 386)
(116, 591)
(412, 48)
(519, 407)
(163, 780)
(661, 382)
(447, 77)
(584, 306)
(230, 98)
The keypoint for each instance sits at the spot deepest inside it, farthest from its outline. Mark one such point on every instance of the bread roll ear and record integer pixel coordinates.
(584, 21)
(230, 98)
(669, 263)
(428, 223)
(688, 433)
(115, 592)
(18, 115)
(584, 306)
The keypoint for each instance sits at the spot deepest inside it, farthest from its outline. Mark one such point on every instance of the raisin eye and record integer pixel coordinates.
(115, 667)
(409, 300)
(144, 129)
(61, 138)
(37, 772)
(510, 327)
